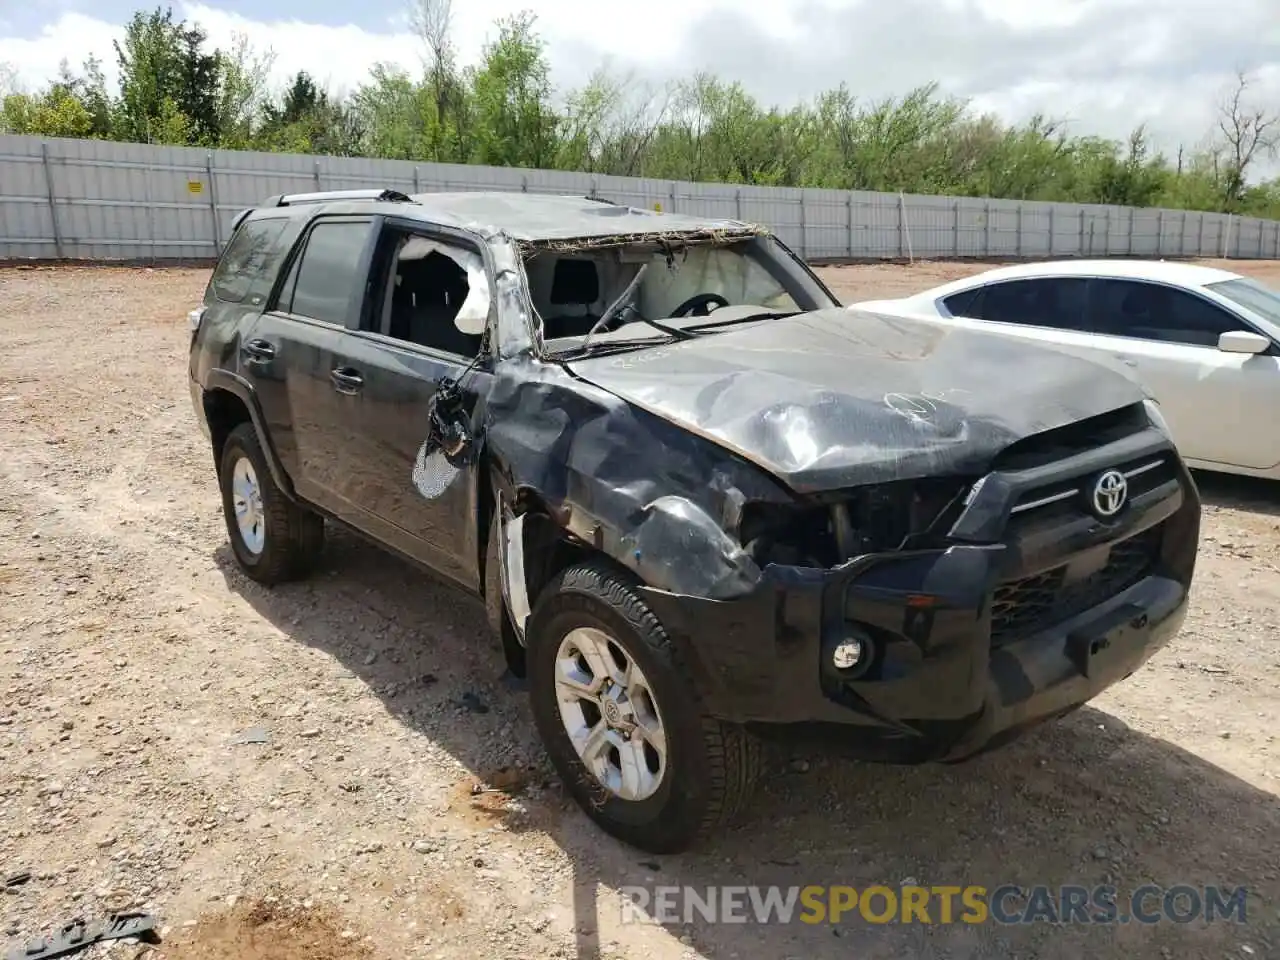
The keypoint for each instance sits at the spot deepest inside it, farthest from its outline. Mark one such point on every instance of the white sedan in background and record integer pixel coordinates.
(1205, 343)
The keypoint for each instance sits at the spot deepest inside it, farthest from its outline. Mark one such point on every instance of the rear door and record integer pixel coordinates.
(1220, 406)
(296, 355)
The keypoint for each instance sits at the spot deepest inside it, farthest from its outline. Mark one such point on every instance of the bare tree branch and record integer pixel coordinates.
(8, 79)
(1248, 133)
(432, 21)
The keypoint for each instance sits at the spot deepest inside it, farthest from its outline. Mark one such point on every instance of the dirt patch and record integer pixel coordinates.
(500, 797)
(260, 930)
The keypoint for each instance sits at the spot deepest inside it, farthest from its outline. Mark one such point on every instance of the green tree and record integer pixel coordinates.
(174, 89)
(308, 120)
(242, 91)
(515, 124)
(54, 113)
(168, 81)
(198, 94)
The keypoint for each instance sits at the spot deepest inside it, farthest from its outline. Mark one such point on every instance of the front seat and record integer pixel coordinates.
(575, 288)
(439, 287)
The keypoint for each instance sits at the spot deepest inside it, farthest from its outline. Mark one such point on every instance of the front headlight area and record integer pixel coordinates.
(828, 530)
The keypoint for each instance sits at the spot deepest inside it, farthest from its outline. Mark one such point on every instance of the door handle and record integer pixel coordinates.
(346, 379)
(259, 350)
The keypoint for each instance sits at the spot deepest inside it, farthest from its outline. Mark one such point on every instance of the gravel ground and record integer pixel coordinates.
(385, 813)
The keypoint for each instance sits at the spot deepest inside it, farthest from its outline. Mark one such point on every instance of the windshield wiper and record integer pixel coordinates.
(623, 303)
(581, 350)
(763, 315)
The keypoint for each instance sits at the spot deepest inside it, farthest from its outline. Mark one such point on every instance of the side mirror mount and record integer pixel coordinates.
(1243, 341)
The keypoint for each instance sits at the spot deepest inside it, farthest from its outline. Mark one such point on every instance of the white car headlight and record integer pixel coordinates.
(1155, 416)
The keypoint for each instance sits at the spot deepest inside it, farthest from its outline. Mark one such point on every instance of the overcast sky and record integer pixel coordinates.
(1105, 65)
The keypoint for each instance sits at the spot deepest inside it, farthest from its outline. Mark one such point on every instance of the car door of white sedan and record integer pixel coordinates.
(1220, 406)
(1049, 311)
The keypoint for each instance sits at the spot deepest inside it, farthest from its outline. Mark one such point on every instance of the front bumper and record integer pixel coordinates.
(973, 643)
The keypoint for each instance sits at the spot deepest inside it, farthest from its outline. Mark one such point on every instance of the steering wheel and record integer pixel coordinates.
(696, 306)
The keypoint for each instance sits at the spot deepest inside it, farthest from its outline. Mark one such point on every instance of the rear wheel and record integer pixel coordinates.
(274, 539)
(621, 719)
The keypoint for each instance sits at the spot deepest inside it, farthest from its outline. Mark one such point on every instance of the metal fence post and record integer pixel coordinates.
(524, 184)
(213, 204)
(417, 188)
(1160, 233)
(902, 226)
(737, 204)
(955, 228)
(848, 202)
(1106, 239)
(317, 174)
(672, 198)
(986, 228)
(906, 226)
(53, 200)
(151, 212)
(1081, 250)
(1200, 237)
(1019, 240)
(1053, 211)
(1129, 244)
(804, 228)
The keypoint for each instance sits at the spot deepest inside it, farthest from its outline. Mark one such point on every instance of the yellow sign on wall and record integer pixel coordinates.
(195, 186)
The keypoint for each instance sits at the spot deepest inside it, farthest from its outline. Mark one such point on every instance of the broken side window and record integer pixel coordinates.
(436, 296)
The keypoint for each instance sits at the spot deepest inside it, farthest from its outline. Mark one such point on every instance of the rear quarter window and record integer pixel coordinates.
(253, 252)
(962, 304)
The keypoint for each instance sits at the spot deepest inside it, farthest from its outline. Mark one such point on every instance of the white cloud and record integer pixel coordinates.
(72, 37)
(1105, 65)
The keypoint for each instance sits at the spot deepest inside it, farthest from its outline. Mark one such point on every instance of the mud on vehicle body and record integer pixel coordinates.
(702, 502)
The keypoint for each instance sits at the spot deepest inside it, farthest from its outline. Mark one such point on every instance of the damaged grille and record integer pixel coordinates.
(1143, 474)
(1022, 607)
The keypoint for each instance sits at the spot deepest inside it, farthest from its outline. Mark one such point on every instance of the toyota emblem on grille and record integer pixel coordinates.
(1110, 491)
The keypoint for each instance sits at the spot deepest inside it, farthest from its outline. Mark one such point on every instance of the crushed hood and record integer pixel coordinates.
(839, 398)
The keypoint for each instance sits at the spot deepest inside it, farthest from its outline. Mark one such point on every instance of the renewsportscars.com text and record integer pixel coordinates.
(1007, 904)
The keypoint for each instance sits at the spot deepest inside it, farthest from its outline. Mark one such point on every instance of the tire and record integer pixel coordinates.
(710, 767)
(288, 538)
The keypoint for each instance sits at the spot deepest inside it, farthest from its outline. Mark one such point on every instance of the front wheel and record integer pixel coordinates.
(621, 718)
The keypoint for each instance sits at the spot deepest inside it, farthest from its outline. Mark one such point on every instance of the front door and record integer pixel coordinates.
(1219, 405)
(410, 342)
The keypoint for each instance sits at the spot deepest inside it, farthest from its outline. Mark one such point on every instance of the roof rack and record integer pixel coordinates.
(329, 196)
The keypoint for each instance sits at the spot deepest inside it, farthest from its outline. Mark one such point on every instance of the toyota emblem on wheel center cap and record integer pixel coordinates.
(1110, 491)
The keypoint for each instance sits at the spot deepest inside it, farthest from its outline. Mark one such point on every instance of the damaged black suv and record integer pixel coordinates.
(702, 503)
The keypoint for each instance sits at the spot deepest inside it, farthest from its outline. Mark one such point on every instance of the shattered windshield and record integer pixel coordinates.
(648, 291)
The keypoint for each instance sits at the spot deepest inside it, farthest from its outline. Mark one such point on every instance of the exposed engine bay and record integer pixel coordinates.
(900, 515)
